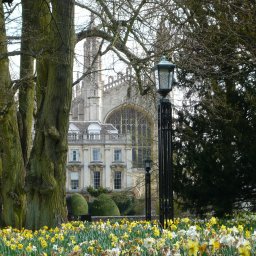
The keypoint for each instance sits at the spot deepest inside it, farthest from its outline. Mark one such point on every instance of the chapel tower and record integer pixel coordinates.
(92, 84)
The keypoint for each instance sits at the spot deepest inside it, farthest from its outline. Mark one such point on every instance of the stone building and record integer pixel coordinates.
(111, 131)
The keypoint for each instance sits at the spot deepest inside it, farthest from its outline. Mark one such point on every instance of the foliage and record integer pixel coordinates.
(124, 201)
(96, 192)
(138, 207)
(215, 132)
(103, 205)
(235, 236)
(78, 205)
(128, 204)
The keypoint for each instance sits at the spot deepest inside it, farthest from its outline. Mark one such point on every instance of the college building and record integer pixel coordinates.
(112, 130)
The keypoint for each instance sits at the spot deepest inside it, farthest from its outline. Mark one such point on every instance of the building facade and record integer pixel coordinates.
(111, 131)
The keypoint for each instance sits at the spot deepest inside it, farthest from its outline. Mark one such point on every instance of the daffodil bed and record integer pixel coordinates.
(183, 237)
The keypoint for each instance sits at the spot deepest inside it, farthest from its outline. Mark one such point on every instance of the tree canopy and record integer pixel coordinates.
(215, 163)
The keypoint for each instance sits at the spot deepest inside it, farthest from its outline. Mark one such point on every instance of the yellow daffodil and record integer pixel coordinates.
(125, 236)
(156, 231)
(44, 243)
(213, 221)
(244, 251)
(193, 247)
(76, 248)
(13, 247)
(185, 220)
(29, 248)
(173, 227)
(240, 228)
(247, 234)
(20, 246)
(90, 249)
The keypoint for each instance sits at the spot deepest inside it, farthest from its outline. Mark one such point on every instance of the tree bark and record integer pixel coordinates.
(11, 162)
(47, 166)
(26, 86)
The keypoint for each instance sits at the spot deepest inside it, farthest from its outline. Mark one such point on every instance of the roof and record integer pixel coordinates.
(82, 127)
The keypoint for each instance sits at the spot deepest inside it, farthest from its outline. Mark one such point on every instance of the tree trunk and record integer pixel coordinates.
(47, 166)
(11, 161)
(26, 86)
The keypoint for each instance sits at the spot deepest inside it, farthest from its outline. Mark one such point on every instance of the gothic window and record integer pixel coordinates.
(129, 120)
(118, 180)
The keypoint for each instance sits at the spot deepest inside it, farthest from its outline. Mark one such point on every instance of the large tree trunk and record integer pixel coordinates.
(27, 86)
(11, 161)
(47, 166)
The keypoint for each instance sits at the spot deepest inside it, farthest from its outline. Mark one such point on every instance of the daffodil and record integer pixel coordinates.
(192, 247)
(76, 248)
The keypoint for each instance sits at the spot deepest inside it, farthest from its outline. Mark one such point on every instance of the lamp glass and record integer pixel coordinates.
(164, 79)
(164, 72)
(148, 163)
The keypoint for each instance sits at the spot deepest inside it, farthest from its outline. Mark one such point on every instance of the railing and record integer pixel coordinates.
(74, 138)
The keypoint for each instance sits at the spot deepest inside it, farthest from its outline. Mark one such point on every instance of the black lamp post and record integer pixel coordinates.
(164, 72)
(147, 189)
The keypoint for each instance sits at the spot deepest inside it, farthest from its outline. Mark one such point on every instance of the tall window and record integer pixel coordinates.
(117, 155)
(96, 179)
(118, 180)
(96, 154)
(74, 155)
(74, 180)
(129, 120)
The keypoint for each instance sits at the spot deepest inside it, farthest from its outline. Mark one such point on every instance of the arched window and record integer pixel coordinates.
(131, 120)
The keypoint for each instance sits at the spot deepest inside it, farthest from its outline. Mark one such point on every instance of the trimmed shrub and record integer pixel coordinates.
(103, 205)
(78, 205)
(124, 202)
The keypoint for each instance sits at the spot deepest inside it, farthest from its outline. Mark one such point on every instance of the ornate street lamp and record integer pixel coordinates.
(164, 72)
(147, 189)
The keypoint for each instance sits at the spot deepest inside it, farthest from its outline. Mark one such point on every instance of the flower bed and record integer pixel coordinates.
(184, 237)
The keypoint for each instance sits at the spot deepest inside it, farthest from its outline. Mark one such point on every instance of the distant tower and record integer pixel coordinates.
(92, 84)
(163, 40)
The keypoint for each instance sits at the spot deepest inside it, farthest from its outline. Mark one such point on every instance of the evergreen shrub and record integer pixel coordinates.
(124, 202)
(103, 205)
(78, 205)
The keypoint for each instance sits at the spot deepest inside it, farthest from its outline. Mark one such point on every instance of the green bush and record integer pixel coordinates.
(96, 192)
(138, 207)
(103, 205)
(78, 205)
(124, 202)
